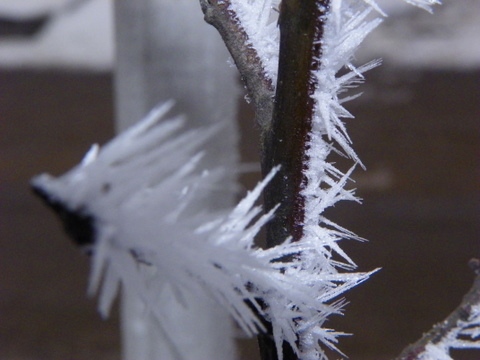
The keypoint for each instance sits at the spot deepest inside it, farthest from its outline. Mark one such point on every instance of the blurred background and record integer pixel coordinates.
(416, 128)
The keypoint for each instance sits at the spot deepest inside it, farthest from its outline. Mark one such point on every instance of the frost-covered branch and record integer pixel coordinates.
(143, 194)
(301, 28)
(255, 71)
(139, 202)
(317, 41)
(460, 330)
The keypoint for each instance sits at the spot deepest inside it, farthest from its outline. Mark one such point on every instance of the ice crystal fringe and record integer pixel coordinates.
(424, 4)
(258, 18)
(465, 335)
(145, 193)
(348, 23)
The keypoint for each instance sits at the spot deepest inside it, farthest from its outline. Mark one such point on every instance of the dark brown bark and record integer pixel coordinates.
(285, 143)
(440, 330)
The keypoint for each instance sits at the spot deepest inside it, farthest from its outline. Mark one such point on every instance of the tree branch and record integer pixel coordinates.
(287, 122)
(301, 31)
(285, 141)
(439, 331)
(259, 87)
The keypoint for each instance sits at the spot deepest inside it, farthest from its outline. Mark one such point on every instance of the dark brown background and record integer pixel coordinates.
(417, 133)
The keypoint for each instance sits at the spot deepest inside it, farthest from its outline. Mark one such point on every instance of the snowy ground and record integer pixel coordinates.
(82, 36)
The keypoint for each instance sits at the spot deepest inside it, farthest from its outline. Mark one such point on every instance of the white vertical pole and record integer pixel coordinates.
(166, 51)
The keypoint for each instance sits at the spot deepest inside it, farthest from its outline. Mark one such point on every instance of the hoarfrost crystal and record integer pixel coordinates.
(347, 24)
(143, 194)
(465, 335)
(142, 199)
(258, 18)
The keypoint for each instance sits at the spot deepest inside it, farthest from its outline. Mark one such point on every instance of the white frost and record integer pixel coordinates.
(465, 335)
(258, 18)
(145, 192)
(347, 24)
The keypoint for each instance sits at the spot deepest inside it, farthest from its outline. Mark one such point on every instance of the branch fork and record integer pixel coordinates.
(260, 88)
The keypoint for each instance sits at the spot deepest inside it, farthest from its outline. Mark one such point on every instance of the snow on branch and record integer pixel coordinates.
(345, 28)
(342, 25)
(259, 20)
(251, 33)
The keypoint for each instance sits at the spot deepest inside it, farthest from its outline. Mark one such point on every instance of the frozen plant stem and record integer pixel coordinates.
(290, 68)
(286, 140)
(259, 87)
(287, 121)
(454, 324)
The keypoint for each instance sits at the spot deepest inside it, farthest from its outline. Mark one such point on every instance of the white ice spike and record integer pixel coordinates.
(142, 193)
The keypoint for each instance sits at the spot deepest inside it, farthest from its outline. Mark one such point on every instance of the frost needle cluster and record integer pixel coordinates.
(152, 234)
(143, 196)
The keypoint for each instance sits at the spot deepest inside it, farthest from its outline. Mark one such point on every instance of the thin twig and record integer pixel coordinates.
(259, 87)
(461, 314)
